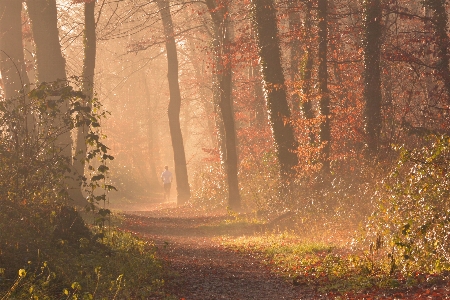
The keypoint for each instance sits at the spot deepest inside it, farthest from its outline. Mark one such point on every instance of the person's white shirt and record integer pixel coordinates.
(166, 176)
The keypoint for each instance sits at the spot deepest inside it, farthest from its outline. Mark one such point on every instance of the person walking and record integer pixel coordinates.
(166, 177)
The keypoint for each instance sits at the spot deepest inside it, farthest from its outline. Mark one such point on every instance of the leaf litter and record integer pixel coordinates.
(200, 263)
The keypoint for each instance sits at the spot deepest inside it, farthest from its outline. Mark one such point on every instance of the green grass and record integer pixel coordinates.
(322, 266)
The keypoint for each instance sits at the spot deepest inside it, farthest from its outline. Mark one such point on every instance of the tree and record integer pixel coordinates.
(221, 19)
(265, 21)
(12, 65)
(51, 67)
(325, 131)
(90, 43)
(50, 62)
(295, 47)
(181, 175)
(13, 69)
(372, 78)
(439, 22)
(216, 80)
(307, 106)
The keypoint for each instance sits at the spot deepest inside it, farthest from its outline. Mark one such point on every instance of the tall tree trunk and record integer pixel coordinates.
(260, 106)
(50, 62)
(221, 20)
(274, 84)
(12, 64)
(50, 68)
(258, 91)
(307, 106)
(181, 175)
(439, 20)
(294, 28)
(372, 75)
(217, 78)
(325, 134)
(90, 49)
(13, 70)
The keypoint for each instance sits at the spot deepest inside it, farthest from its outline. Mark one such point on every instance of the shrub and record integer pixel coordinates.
(46, 250)
(411, 222)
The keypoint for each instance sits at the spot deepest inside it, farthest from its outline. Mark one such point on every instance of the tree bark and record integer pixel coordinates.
(50, 62)
(325, 134)
(439, 20)
(294, 28)
(260, 106)
(274, 84)
(13, 70)
(307, 106)
(51, 67)
(372, 75)
(217, 78)
(12, 65)
(90, 50)
(181, 175)
(221, 21)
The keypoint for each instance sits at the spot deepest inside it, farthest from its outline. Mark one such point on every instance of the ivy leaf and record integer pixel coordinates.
(98, 177)
(103, 168)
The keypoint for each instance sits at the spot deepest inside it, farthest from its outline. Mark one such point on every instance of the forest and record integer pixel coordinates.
(306, 144)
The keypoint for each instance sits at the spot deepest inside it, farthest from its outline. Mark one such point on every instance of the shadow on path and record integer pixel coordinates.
(209, 226)
(200, 268)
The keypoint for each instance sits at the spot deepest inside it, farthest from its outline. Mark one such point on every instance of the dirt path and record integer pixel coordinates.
(203, 268)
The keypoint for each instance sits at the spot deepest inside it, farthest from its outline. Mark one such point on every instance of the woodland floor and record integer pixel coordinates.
(198, 267)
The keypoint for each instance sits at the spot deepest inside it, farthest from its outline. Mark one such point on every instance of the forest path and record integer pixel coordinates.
(201, 268)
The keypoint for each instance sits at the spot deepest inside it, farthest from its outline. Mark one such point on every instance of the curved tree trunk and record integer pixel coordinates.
(181, 175)
(274, 83)
(372, 76)
(221, 21)
(325, 134)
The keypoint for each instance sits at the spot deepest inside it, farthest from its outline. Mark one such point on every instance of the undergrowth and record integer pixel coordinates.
(104, 263)
(385, 230)
(46, 249)
(331, 270)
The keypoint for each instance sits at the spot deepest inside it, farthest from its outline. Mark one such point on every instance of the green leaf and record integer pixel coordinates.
(98, 177)
(103, 168)
(109, 187)
(106, 156)
(104, 212)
